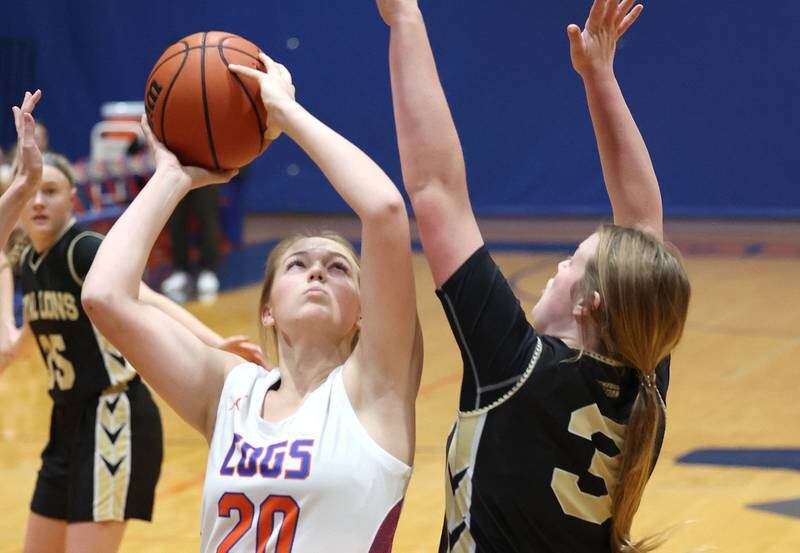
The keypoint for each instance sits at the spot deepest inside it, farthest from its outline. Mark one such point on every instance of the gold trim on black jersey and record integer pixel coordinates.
(522, 379)
(71, 249)
(112, 457)
(603, 359)
(117, 367)
(467, 432)
(34, 265)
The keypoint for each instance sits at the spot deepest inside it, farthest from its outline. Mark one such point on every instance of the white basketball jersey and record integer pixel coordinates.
(314, 482)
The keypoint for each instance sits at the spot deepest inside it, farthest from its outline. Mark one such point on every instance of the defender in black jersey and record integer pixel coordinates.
(103, 458)
(104, 455)
(80, 362)
(560, 421)
(105, 423)
(539, 428)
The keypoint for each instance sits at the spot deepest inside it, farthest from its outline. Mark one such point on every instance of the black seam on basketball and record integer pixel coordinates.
(205, 103)
(248, 54)
(166, 96)
(184, 51)
(221, 49)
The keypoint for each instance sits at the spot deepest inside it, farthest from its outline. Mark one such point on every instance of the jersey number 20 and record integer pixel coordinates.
(265, 525)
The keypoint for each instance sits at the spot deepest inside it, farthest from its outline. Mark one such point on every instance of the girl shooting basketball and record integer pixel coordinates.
(314, 455)
(560, 421)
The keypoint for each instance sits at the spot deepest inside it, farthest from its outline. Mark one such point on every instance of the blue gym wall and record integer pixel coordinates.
(714, 86)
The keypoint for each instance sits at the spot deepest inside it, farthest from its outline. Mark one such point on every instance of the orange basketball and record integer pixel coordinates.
(203, 113)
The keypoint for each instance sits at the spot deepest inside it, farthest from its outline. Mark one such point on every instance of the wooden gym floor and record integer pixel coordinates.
(734, 389)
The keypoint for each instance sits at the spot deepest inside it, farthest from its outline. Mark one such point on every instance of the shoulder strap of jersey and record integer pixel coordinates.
(71, 252)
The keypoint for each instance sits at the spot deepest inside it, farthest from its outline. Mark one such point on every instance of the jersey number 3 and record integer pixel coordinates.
(265, 526)
(62, 373)
(585, 422)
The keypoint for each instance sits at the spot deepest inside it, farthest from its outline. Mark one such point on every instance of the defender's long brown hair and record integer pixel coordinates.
(644, 293)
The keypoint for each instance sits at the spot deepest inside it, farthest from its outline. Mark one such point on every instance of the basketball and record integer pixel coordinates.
(205, 114)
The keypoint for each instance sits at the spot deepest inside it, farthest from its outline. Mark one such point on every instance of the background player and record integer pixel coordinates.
(327, 439)
(103, 457)
(559, 422)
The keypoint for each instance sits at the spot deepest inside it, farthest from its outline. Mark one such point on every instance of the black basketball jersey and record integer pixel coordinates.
(535, 447)
(80, 361)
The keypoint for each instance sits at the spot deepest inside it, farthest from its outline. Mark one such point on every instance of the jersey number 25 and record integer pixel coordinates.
(61, 371)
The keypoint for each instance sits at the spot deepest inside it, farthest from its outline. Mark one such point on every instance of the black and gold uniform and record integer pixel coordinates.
(104, 455)
(535, 447)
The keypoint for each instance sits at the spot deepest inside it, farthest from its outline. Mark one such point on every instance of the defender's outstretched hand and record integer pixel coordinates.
(29, 158)
(392, 10)
(628, 171)
(592, 50)
(27, 167)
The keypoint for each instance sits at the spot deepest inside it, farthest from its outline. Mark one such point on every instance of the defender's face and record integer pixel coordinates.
(50, 208)
(557, 305)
